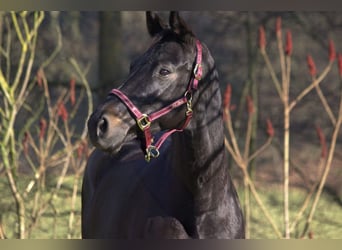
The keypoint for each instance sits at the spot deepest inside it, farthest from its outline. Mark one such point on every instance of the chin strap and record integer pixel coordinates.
(144, 121)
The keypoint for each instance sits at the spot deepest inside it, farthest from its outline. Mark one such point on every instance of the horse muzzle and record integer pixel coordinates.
(107, 131)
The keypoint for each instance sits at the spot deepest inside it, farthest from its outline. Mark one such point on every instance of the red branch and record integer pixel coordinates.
(62, 111)
(332, 52)
(322, 141)
(72, 91)
(40, 77)
(270, 129)
(42, 128)
(83, 150)
(288, 46)
(80, 150)
(311, 65)
(262, 38)
(250, 105)
(25, 143)
(227, 97)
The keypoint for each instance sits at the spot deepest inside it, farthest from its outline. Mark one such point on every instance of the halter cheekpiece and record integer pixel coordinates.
(144, 121)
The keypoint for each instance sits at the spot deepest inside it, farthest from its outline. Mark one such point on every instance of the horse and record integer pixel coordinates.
(160, 168)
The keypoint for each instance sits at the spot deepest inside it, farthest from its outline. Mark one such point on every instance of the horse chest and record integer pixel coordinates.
(126, 195)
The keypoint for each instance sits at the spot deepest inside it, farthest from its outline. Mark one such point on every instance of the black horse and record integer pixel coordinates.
(160, 169)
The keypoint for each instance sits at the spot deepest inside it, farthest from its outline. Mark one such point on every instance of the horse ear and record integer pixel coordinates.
(154, 24)
(178, 25)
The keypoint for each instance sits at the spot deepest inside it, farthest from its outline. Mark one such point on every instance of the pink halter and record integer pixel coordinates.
(144, 121)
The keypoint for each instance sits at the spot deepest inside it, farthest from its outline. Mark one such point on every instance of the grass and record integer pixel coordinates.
(54, 222)
(327, 223)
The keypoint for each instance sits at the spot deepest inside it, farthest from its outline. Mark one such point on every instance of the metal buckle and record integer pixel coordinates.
(188, 96)
(197, 76)
(143, 122)
(151, 151)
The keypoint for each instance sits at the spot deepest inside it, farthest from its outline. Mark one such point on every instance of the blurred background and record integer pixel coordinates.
(93, 55)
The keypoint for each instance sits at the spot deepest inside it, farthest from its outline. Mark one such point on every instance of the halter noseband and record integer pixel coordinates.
(144, 121)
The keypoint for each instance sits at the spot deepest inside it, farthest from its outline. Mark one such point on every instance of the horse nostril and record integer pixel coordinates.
(102, 126)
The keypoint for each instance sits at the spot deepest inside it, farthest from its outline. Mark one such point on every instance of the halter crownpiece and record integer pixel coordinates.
(144, 121)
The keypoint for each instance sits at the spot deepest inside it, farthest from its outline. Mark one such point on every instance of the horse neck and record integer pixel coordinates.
(199, 152)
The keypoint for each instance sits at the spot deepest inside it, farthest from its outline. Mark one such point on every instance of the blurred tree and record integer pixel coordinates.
(110, 47)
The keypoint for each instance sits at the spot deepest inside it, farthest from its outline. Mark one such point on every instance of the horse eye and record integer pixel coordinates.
(164, 72)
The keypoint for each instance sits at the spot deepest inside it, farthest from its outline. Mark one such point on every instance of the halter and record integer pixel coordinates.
(144, 121)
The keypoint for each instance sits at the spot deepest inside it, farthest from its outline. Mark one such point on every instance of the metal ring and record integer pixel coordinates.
(188, 96)
(197, 76)
(151, 151)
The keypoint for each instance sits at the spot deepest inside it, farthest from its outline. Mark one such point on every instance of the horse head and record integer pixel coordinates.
(158, 91)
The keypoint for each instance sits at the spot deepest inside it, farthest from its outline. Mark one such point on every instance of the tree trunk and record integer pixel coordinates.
(110, 47)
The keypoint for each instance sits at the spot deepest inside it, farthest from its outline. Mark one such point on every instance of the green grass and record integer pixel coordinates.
(54, 222)
(327, 222)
